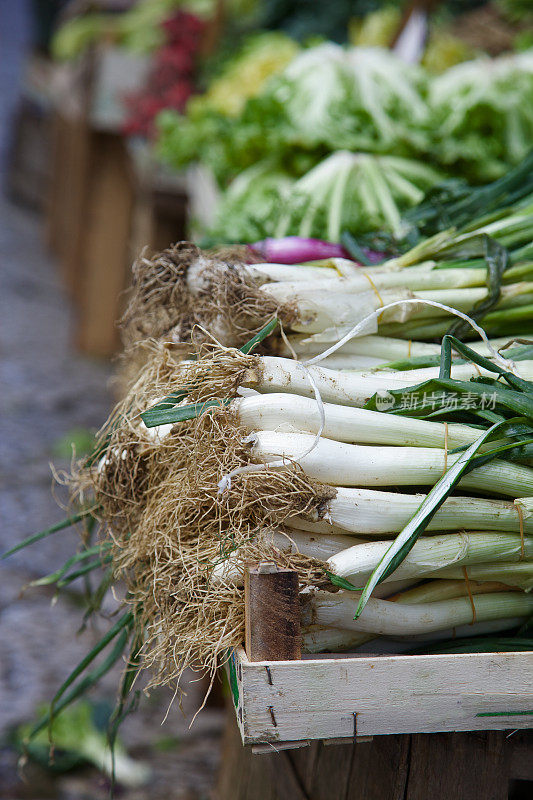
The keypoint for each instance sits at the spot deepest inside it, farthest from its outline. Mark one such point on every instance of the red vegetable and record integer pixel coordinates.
(172, 78)
(295, 249)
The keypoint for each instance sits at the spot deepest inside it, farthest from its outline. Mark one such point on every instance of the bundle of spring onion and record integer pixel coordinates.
(484, 269)
(406, 522)
(493, 554)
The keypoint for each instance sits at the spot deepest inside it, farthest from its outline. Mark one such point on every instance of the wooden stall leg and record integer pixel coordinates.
(466, 766)
(74, 203)
(469, 765)
(170, 218)
(374, 770)
(105, 257)
(65, 215)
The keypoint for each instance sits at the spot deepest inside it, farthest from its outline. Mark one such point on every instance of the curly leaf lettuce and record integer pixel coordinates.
(482, 115)
(355, 98)
(263, 55)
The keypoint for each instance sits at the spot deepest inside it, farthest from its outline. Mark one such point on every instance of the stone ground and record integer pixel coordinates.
(47, 391)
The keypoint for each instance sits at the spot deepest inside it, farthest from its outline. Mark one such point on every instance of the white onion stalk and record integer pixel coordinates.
(316, 639)
(368, 512)
(323, 273)
(317, 546)
(320, 547)
(421, 277)
(352, 362)
(432, 553)
(292, 412)
(266, 273)
(459, 372)
(514, 574)
(345, 388)
(319, 309)
(386, 618)
(441, 589)
(340, 464)
(380, 347)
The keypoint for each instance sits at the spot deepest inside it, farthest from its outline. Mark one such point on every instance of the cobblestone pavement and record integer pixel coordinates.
(46, 391)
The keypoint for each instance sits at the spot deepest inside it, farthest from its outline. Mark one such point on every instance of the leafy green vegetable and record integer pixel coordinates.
(358, 98)
(262, 55)
(347, 191)
(475, 120)
(482, 113)
(251, 206)
(79, 736)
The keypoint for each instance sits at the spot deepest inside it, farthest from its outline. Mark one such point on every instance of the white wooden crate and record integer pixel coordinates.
(347, 696)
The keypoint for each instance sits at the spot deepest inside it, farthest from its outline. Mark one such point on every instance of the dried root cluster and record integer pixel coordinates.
(182, 292)
(169, 525)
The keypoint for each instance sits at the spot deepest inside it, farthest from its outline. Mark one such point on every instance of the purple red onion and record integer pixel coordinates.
(296, 249)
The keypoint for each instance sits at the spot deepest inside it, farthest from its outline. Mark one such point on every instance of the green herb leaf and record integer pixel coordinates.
(122, 708)
(73, 576)
(53, 577)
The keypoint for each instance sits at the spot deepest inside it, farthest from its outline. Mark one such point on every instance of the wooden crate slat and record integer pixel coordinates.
(317, 698)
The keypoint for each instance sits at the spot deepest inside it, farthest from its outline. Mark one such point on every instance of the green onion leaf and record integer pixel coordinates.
(59, 526)
(258, 338)
(342, 583)
(53, 577)
(121, 629)
(405, 540)
(497, 261)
